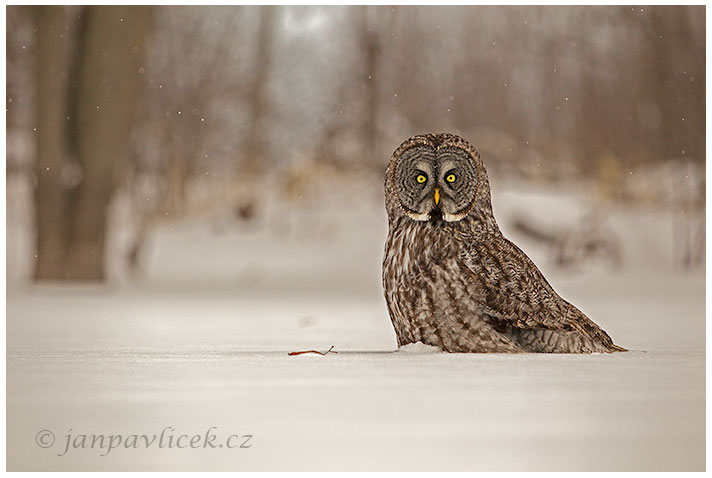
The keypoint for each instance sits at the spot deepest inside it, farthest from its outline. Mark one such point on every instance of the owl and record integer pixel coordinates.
(450, 278)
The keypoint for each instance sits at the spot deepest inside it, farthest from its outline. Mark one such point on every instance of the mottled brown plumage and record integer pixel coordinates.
(450, 278)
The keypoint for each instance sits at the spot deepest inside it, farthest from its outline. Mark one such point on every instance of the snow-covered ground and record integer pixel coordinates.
(200, 340)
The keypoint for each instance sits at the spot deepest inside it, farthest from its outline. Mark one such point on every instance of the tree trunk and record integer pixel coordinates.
(52, 225)
(255, 150)
(109, 81)
(252, 165)
(372, 52)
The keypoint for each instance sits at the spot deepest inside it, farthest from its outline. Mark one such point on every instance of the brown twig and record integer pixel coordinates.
(331, 349)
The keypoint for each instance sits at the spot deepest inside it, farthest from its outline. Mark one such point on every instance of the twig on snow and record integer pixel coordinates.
(331, 349)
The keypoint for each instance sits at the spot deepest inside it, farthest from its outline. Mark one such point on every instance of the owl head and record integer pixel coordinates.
(436, 177)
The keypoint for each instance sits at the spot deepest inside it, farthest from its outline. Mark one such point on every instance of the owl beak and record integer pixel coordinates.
(437, 196)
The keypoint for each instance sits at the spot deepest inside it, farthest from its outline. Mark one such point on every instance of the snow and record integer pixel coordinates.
(201, 340)
(418, 348)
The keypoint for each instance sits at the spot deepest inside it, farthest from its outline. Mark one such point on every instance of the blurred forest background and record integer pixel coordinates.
(145, 116)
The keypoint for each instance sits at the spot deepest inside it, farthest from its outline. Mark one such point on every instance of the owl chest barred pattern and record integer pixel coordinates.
(452, 280)
(428, 295)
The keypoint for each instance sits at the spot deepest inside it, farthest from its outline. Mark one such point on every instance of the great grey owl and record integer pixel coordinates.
(450, 278)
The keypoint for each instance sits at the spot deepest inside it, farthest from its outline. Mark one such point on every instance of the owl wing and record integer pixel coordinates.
(514, 293)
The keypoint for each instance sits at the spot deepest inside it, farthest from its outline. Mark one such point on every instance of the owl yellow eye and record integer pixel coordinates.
(450, 178)
(421, 178)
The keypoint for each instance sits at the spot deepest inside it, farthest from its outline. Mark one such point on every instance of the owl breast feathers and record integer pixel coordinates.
(450, 278)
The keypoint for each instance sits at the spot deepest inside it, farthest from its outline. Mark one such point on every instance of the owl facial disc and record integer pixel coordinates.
(435, 181)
